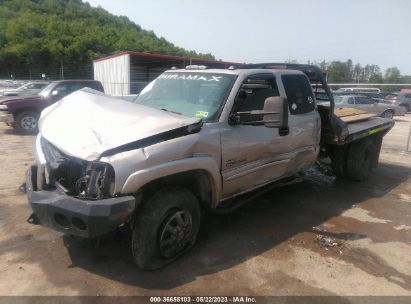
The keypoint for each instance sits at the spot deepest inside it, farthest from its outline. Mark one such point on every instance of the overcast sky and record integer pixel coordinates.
(366, 31)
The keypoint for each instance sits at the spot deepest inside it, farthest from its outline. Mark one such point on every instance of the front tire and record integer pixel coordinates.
(27, 122)
(388, 114)
(165, 227)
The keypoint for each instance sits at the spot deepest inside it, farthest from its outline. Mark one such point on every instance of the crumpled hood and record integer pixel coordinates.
(84, 124)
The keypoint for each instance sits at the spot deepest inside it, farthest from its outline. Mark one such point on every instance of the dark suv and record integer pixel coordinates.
(23, 112)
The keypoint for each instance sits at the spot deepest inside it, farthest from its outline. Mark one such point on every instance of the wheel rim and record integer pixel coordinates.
(388, 114)
(176, 233)
(28, 123)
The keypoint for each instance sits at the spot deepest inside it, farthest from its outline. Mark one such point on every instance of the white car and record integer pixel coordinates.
(30, 88)
(368, 104)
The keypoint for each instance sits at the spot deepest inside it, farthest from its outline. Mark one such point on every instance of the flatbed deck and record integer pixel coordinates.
(368, 127)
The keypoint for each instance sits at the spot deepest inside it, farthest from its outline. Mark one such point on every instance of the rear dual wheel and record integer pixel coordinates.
(360, 160)
(356, 160)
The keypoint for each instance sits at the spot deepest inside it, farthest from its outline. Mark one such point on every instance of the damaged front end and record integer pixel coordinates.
(76, 177)
(74, 196)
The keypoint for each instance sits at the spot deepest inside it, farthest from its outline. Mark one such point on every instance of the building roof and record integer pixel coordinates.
(144, 56)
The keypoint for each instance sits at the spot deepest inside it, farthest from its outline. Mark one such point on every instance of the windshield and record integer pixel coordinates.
(23, 86)
(197, 95)
(46, 91)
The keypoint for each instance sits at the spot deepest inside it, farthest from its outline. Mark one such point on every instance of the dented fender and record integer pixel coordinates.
(142, 177)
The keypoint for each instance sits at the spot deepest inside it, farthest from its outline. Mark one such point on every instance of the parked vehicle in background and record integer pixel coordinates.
(374, 95)
(8, 83)
(368, 104)
(401, 99)
(30, 88)
(349, 90)
(23, 112)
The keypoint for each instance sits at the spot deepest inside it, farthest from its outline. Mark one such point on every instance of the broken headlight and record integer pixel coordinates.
(97, 182)
(77, 177)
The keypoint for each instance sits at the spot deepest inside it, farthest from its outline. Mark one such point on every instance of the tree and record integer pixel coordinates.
(50, 33)
(392, 75)
(374, 74)
(357, 73)
(339, 72)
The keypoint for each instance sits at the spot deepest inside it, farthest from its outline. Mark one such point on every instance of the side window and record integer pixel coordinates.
(91, 85)
(408, 96)
(299, 94)
(363, 100)
(31, 86)
(351, 100)
(74, 87)
(254, 91)
(62, 90)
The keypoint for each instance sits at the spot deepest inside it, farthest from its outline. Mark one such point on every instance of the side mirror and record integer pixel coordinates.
(276, 112)
(54, 93)
(273, 115)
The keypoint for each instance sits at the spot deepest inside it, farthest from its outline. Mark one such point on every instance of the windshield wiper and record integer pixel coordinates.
(166, 110)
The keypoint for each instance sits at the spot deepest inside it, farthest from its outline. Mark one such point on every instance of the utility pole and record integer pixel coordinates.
(61, 70)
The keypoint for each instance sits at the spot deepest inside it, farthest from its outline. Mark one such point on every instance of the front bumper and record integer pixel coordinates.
(73, 216)
(6, 117)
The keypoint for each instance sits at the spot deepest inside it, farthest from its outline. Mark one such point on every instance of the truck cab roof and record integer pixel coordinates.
(235, 71)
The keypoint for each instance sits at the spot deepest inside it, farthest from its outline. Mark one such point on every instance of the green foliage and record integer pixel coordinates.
(392, 75)
(347, 72)
(51, 32)
(338, 72)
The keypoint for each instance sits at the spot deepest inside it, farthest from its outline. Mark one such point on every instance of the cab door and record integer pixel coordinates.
(256, 155)
(304, 122)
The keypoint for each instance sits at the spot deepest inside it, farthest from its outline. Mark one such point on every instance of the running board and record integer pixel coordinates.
(234, 203)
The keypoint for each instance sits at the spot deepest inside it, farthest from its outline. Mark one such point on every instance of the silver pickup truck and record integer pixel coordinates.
(194, 139)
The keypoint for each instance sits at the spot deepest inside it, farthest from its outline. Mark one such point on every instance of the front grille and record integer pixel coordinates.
(62, 168)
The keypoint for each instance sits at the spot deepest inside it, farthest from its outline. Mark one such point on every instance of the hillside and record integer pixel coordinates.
(43, 35)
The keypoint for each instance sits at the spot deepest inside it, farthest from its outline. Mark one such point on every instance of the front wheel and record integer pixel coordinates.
(166, 226)
(27, 122)
(388, 114)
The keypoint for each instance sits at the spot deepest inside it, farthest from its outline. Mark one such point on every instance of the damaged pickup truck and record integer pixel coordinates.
(194, 139)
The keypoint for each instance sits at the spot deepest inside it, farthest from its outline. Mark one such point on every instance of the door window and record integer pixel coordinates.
(254, 91)
(299, 94)
(363, 100)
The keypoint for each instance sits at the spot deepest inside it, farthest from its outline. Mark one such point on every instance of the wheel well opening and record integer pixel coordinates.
(197, 181)
(18, 112)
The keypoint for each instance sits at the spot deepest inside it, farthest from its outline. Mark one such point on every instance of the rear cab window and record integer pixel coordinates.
(299, 94)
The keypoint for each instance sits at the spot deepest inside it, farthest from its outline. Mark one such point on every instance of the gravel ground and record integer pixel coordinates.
(319, 237)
